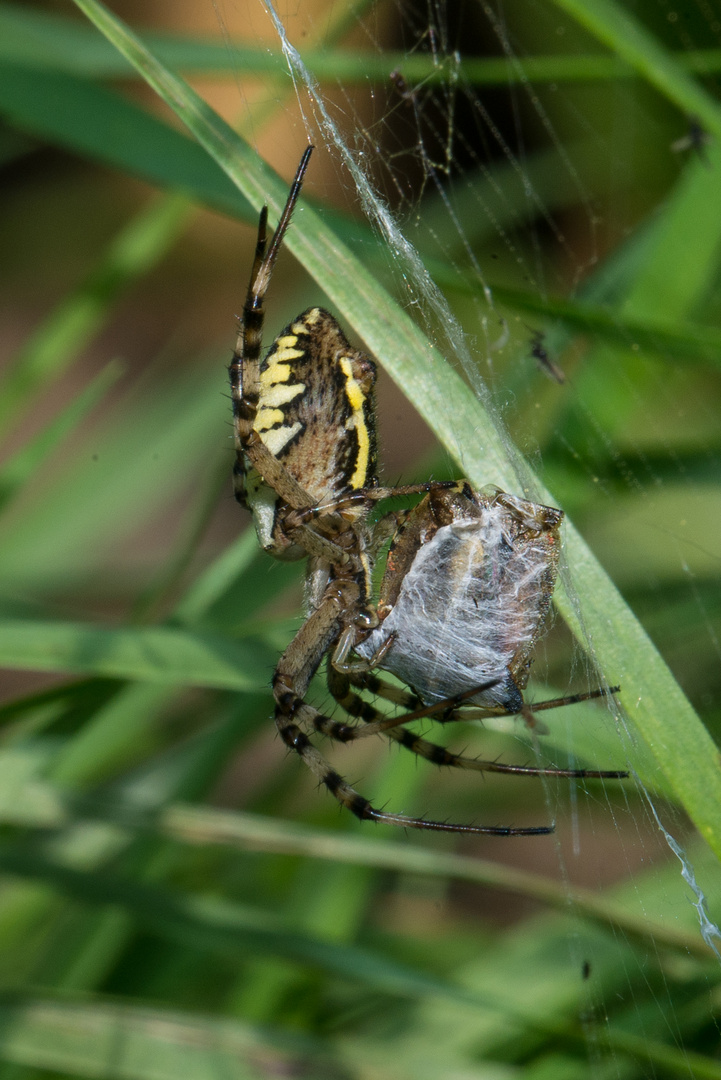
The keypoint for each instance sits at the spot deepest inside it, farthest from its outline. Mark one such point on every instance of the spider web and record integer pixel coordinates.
(506, 199)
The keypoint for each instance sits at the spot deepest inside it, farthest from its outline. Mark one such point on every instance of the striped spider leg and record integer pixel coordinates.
(304, 429)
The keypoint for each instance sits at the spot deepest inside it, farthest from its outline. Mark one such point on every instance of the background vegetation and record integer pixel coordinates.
(177, 898)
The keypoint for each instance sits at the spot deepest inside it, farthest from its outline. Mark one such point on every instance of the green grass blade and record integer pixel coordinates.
(227, 928)
(615, 26)
(52, 41)
(231, 930)
(103, 496)
(204, 825)
(26, 799)
(683, 255)
(217, 579)
(115, 734)
(667, 337)
(147, 654)
(659, 711)
(104, 1038)
(78, 114)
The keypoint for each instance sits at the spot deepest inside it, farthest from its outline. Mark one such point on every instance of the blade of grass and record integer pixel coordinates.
(48, 40)
(232, 929)
(615, 26)
(235, 931)
(77, 114)
(55, 698)
(112, 738)
(203, 825)
(101, 496)
(150, 606)
(658, 709)
(27, 799)
(146, 654)
(168, 158)
(103, 1038)
(557, 988)
(65, 945)
(683, 254)
(216, 579)
(667, 337)
(252, 832)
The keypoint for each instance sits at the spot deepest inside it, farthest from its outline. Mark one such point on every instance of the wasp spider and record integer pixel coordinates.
(306, 466)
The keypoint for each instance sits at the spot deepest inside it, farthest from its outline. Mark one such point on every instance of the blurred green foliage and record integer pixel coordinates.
(176, 897)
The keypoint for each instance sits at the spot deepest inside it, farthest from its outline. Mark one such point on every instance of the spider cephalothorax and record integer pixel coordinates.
(304, 426)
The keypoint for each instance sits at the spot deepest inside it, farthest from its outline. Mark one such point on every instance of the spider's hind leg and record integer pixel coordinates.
(340, 686)
(370, 682)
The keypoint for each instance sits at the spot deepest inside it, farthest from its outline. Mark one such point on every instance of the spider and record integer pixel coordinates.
(306, 461)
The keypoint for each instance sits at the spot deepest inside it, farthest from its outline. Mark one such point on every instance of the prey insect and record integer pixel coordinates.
(540, 353)
(463, 601)
(306, 466)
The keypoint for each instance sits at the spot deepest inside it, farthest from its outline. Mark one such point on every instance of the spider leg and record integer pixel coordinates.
(573, 699)
(340, 687)
(409, 699)
(382, 724)
(245, 388)
(292, 677)
(263, 267)
(244, 370)
(375, 494)
(406, 699)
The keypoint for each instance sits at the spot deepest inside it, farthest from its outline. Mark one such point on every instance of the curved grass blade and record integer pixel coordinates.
(656, 706)
(18, 469)
(60, 108)
(616, 27)
(103, 1038)
(146, 654)
(49, 40)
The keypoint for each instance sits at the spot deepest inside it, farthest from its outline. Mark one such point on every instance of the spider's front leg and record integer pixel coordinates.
(350, 502)
(250, 395)
(303, 418)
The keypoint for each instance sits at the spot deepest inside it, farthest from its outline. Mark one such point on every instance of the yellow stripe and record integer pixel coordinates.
(278, 365)
(277, 439)
(305, 325)
(278, 394)
(356, 400)
(267, 418)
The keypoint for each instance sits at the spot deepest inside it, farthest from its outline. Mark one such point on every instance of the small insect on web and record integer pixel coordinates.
(306, 466)
(540, 353)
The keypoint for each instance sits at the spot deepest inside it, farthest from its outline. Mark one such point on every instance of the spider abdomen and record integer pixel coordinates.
(316, 415)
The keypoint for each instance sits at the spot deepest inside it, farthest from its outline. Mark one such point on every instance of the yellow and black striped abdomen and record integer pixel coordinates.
(316, 412)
